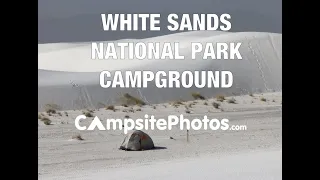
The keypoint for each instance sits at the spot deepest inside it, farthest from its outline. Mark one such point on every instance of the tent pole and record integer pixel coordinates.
(187, 135)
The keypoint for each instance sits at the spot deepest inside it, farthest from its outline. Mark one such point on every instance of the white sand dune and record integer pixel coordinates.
(60, 64)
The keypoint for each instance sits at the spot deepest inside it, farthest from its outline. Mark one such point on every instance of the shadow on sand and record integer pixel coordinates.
(158, 148)
(155, 148)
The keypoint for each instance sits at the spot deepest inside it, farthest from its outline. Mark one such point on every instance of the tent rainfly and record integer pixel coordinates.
(137, 141)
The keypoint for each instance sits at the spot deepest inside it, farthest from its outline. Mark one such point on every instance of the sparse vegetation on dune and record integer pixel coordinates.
(88, 113)
(51, 108)
(177, 103)
(131, 100)
(90, 110)
(110, 107)
(231, 101)
(220, 98)
(263, 99)
(196, 96)
(50, 111)
(77, 137)
(46, 120)
(216, 105)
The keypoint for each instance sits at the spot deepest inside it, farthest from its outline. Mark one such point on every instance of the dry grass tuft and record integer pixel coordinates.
(231, 101)
(88, 114)
(131, 100)
(197, 96)
(216, 105)
(46, 121)
(110, 107)
(221, 98)
(77, 137)
(51, 108)
(263, 99)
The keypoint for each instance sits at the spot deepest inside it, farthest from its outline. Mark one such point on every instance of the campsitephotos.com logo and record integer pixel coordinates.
(128, 124)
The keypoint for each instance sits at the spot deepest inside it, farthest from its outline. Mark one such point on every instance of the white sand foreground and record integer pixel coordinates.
(254, 153)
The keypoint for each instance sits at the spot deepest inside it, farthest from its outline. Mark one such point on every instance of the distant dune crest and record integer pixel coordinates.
(259, 70)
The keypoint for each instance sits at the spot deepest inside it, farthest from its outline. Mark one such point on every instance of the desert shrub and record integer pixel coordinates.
(188, 111)
(66, 113)
(251, 94)
(110, 107)
(126, 116)
(51, 111)
(131, 100)
(197, 96)
(216, 105)
(178, 102)
(51, 108)
(46, 121)
(220, 98)
(205, 103)
(139, 109)
(90, 110)
(88, 114)
(231, 101)
(77, 137)
(263, 99)
(44, 118)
